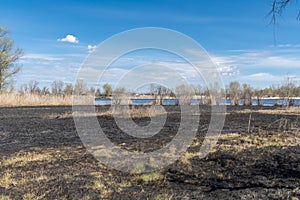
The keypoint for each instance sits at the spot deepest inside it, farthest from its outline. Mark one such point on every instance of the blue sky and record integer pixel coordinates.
(236, 34)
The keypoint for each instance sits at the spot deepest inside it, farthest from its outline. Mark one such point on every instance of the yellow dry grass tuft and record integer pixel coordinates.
(242, 141)
(292, 110)
(28, 99)
(4, 197)
(152, 176)
(26, 158)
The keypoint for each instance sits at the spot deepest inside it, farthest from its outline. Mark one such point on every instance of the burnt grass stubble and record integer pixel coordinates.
(68, 171)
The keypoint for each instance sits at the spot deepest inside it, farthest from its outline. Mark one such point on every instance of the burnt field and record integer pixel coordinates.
(42, 157)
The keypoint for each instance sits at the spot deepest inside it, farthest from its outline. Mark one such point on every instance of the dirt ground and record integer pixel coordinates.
(42, 157)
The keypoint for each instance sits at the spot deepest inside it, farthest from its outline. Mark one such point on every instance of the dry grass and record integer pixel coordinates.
(16, 99)
(28, 99)
(24, 158)
(134, 112)
(293, 110)
(152, 176)
(242, 141)
(4, 197)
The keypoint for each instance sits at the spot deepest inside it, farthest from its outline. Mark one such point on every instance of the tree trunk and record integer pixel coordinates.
(158, 100)
(259, 101)
(234, 102)
(247, 101)
(213, 101)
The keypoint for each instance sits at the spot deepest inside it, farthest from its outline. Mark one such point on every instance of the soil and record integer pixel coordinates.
(42, 157)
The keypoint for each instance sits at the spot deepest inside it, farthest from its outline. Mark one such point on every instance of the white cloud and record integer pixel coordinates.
(45, 57)
(45, 68)
(285, 46)
(91, 48)
(69, 38)
(261, 77)
(228, 70)
(259, 60)
(280, 61)
(257, 67)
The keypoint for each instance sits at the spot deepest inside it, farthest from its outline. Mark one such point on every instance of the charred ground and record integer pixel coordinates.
(42, 157)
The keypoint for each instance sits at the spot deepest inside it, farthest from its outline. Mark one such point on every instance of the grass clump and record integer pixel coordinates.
(153, 176)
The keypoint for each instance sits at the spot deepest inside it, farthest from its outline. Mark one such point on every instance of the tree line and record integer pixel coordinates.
(59, 87)
(234, 91)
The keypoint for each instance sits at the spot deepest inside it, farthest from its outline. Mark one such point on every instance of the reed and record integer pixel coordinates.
(29, 99)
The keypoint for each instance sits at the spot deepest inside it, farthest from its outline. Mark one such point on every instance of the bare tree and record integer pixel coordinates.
(287, 90)
(184, 94)
(247, 94)
(80, 87)
(98, 93)
(8, 58)
(23, 88)
(159, 92)
(206, 95)
(199, 92)
(92, 90)
(33, 86)
(278, 6)
(120, 97)
(234, 92)
(45, 91)
(68, 89)
(214, 93)
(152, 88)
(57, 87)
(158, 95)
(259, 94)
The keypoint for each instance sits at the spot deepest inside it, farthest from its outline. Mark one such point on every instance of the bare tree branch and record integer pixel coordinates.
(8, 57)
(277, 8)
